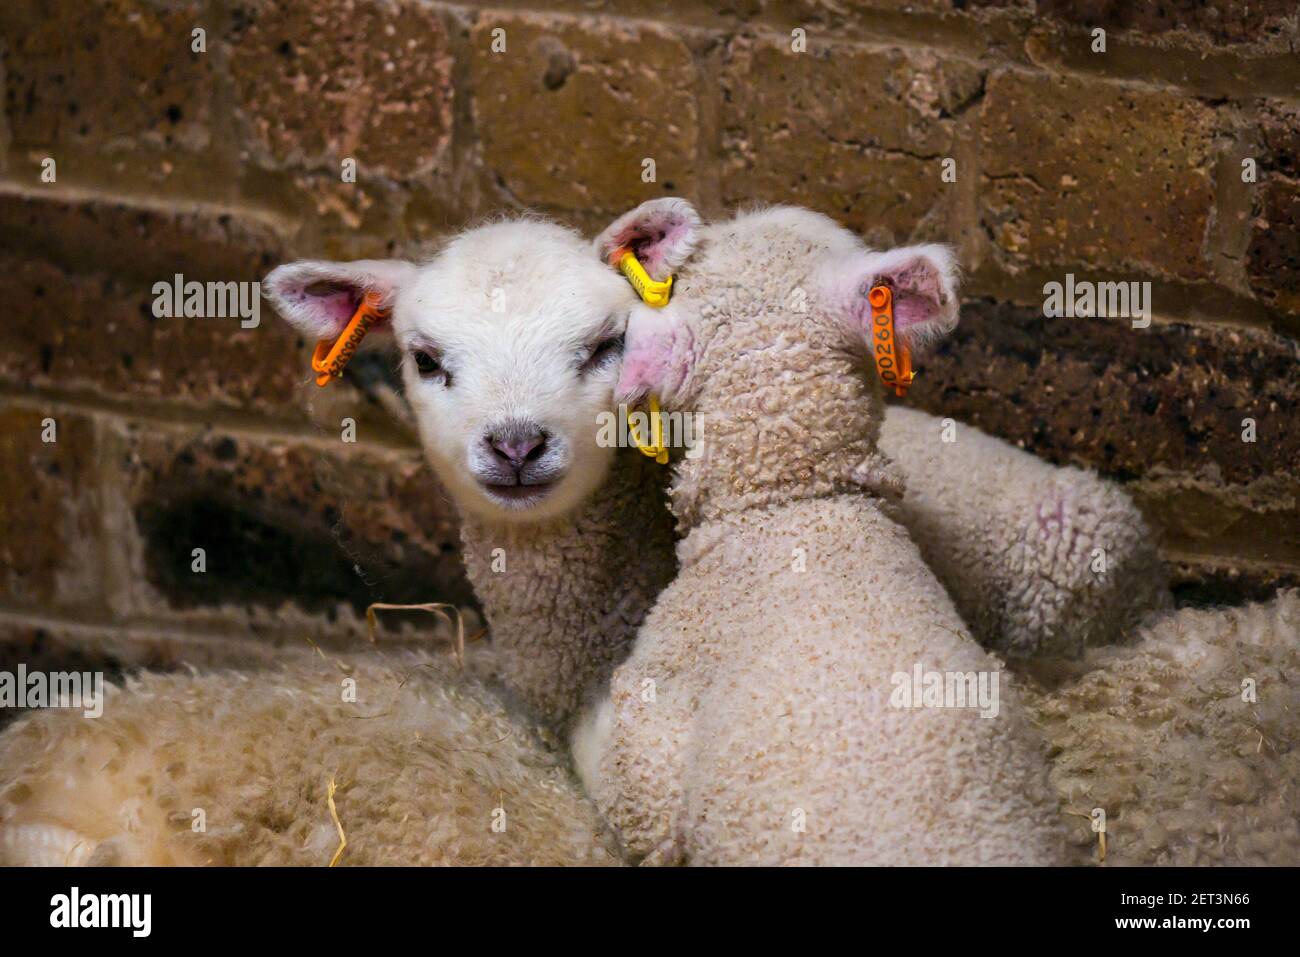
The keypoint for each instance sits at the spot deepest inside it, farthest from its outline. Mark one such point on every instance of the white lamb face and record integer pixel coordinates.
(511, 339)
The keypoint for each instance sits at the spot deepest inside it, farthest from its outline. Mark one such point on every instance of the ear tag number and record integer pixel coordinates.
(329, 359)
(893, 361)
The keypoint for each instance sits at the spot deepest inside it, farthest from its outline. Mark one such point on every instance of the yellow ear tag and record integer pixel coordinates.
(329, 359)
(656, 294)
(652, 293)
(654, 447)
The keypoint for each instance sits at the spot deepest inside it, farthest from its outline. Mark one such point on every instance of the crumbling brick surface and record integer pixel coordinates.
(145, 139)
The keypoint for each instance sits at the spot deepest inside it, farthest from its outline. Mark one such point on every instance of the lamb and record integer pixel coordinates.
(754, 721)
(564, 562)
(601, 601)
(511, 338)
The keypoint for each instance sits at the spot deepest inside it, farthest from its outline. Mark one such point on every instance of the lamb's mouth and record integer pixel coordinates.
(519, 494)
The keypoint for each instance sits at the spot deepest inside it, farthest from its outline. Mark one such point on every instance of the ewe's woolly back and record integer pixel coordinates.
(422, 761)
(1162, 736)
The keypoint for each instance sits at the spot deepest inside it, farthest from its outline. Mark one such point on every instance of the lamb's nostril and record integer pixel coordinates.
(516, 447)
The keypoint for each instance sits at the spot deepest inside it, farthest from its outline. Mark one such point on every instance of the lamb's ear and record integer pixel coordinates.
(318, 298)
(924, 281)
(657, 355)
(662, 233)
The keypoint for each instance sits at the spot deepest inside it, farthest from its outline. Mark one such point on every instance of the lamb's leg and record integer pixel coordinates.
(1040, 560)
(628, 749)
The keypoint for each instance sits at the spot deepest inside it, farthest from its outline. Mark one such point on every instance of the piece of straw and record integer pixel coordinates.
(448, 613)
(334, 813)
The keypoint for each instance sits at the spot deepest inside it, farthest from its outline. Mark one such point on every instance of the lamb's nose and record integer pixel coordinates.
(518, 445)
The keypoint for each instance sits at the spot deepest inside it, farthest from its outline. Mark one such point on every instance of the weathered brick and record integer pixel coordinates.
(321, 81)
(1095, 174)
(1097, 393)
(1210, 581)
(336, 220)
(95, 332)
(569, 111)
(1204, 516)
(284, 521)
(111, 90)
(719, 13)
(858, 134)
(6, 138)
(988, 29)
(132, 241)
(1273, 256)
(48, 517)
(1163, 408)
(1279, 127)
(1197, 65)
(1233, 21)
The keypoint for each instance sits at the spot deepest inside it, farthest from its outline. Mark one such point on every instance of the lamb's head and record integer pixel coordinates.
(510, 339)
(768, 339)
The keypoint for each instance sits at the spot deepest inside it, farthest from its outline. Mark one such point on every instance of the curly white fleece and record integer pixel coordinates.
(232, 768)
(754, 722)
(1042, 561)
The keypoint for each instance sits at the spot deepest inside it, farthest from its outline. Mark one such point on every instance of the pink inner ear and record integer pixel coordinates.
(918, 293)
(334, 302)
(650, 239)
(911, 310)
(658, 358)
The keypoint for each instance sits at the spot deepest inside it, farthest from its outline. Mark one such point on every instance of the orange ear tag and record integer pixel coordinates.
(328, 359)
(893, 361)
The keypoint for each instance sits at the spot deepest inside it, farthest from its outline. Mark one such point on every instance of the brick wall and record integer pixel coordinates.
(175, 433)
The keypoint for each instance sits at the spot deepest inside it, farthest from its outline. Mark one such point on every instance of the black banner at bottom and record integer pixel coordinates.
(548, 907)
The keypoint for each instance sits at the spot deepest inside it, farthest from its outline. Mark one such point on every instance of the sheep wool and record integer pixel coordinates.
(1184, 741)
(233, 768)
(1041, 561)
(421, 775)
(766, 714)
(564, 598)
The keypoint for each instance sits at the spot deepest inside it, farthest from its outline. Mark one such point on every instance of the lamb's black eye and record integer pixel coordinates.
(429, 367)
(604, 353)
